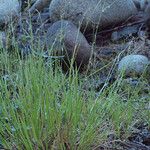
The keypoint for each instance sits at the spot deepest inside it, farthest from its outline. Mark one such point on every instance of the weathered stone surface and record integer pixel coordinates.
(8, 9)
(64, 38)
(133, 65)
(95, 12)
(39, 5)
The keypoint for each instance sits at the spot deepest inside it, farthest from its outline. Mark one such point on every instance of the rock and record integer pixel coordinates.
(39, 5)
(92, 13)
(8, 9)
(64, 38)
(125, 33)
(133, 65)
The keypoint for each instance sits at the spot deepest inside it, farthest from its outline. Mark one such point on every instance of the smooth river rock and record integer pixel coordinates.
(92, 12)
(64, 38)
(133, 65)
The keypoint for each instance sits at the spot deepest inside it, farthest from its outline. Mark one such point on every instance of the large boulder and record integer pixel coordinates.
(8, 9)
(64, 38)
(92, 12)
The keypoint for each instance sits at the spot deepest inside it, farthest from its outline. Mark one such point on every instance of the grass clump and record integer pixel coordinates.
(43, 108)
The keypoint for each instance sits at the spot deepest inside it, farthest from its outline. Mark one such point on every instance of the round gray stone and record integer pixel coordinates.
(133, 65)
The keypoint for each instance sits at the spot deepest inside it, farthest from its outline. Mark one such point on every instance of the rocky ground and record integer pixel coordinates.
(109, 46)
